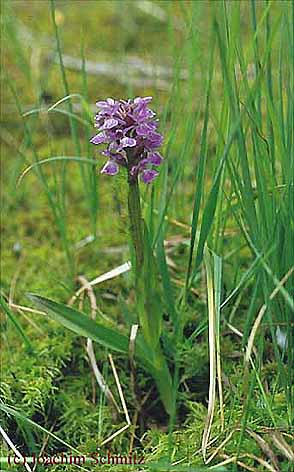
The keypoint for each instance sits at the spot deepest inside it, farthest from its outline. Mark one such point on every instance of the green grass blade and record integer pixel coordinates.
(15, 322)
(82, 325)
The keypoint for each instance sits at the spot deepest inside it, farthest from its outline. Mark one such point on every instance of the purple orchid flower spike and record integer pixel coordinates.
(129, 131)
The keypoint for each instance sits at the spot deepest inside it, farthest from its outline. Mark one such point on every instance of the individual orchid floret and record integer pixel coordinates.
(128, 128)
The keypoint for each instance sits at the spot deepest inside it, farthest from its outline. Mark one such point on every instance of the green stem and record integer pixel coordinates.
(145, 297)
(136, 224)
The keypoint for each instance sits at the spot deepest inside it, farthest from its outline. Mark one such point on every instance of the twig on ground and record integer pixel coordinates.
(233, 459)
(261, 461)
(119, 388)
(222, 444)
(101, 278)
(28, 309)
(44, 445)
(265, 448)
(282, 445)
(14, 448)
(17, 307)
(122, 399)
(133, 335)
(90, 349)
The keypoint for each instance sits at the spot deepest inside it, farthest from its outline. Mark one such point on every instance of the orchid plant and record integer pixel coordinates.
(127, 129)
